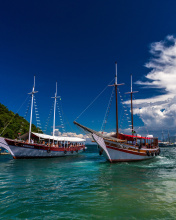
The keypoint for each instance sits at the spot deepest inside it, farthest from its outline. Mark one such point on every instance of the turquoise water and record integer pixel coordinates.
(88, 187)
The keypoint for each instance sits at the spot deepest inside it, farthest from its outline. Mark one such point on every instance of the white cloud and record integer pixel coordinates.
(158, 112)
(163, 65)
(72, 134)
(107, 134)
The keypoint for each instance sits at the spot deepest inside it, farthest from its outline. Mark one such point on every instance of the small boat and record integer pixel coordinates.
(166, 143)
(122, 147)
(37, 145)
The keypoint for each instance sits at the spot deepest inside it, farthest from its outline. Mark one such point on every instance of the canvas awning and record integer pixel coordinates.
(56, 138)
(131, 137)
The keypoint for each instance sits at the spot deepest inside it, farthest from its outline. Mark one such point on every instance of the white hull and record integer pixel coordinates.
(30, 152)
(120, 152)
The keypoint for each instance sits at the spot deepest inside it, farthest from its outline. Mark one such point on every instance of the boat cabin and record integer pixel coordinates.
(56, 141)
(139, 141)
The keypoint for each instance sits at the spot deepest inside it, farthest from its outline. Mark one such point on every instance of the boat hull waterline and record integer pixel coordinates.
(25, 150)
(121, 152)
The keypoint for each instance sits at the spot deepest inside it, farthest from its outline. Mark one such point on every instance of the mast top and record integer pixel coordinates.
(56, 90)
(55, 97)
(33, 89)
(116, 73)
(32, 98)
(115, 84)
(131, 88)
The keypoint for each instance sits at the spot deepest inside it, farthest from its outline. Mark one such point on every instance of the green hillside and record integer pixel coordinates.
(17, 123)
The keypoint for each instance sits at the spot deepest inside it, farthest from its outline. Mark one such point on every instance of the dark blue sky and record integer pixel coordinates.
(77, 43)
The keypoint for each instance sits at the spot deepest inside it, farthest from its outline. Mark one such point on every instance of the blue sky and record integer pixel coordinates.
(77, 44)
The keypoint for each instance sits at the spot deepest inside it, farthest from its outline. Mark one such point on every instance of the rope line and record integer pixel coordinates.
(107, 110)
(48, 119)
(141, 118)
(13, 116)
(64, 116)
(60, 117)
(94, 100)
(125, 113)
(27, 110)
(37, 116)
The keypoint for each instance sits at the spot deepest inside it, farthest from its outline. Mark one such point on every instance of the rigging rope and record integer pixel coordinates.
(48, 119)
(65, 117)
(142, 120)
(94, 100)
(27, 110)
(13, 117)
(107, 110)
(37, 116)
(60, 117)
(68, 122)
(125, 111)
(86, 132)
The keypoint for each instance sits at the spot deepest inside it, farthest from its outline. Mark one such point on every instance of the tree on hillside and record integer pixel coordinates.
(17, 123)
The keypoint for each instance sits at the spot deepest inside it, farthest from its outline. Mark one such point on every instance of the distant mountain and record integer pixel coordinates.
(17, 123)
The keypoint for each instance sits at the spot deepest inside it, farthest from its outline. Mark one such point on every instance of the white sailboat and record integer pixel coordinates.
(166, 143)
(124, 147)
(36, 145)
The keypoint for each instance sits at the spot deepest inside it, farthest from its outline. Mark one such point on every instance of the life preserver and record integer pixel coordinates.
(49, 150)
(65, 152)
(148, 153)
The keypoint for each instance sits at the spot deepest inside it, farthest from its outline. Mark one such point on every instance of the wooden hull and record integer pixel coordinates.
(121, 152)
(23, 150)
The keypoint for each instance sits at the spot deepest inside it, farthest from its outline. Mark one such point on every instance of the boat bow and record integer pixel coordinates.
(98, 133)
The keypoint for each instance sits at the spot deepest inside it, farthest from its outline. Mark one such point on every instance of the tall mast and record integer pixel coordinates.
(131, 105)
(117, 127)
(55, 98)
(116, 86)
(32, 100)
(131, 93)
(54, 111)
(168, 137)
